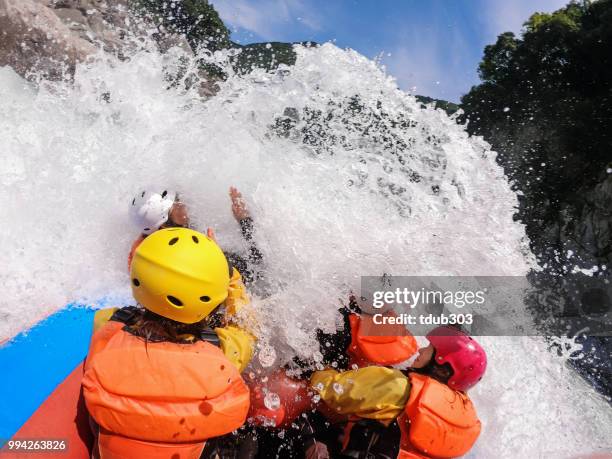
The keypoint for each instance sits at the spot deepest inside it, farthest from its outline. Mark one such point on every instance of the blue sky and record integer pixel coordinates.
(432, 47)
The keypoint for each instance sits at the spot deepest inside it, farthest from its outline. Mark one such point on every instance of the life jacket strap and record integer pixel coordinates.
(210, 336)
(126, 315)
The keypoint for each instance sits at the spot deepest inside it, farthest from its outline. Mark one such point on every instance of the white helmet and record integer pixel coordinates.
(149, 210)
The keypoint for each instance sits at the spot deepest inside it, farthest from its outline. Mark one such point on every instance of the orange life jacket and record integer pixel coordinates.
(159, 399)
(135, 245)
(378, 344)
(437, 422)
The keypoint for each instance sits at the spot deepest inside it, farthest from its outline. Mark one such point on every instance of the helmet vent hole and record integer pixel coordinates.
(164, 194)
(174, 300)
(147, 229)
(204, 299)
(195, 239)
(173, 241)
(136, 282)
(134, 201)
(142, 195)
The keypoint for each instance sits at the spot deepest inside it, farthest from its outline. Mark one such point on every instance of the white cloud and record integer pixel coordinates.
(267, 18)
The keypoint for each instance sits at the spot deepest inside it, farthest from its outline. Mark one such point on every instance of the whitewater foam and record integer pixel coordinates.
(345, 176)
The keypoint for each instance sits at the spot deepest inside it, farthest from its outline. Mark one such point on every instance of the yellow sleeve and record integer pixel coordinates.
(237, 297)
(237, 345)
(373, 392)
(101, 317)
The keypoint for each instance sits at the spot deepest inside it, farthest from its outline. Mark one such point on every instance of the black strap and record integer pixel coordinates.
(126, 315)
(210, 337)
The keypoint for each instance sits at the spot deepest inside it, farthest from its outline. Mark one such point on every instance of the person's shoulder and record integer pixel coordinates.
(102, 317)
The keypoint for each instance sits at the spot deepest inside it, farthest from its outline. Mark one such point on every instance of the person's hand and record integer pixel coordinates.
(238, 205)
(211, 234)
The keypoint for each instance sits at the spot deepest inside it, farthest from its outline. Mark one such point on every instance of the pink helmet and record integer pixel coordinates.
(465, 356)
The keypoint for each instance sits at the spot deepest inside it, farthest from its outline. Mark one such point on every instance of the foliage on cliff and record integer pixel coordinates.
(545, 104)
(201, 25)
(448, 107)
(263, 55)
(197, 20)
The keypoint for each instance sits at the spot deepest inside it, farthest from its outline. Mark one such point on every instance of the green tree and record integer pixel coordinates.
(545, 104)
(201, 25)
(197, 20)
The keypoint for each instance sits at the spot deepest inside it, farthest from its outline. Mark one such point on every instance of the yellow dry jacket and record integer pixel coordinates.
(237, 297)
(372, 392)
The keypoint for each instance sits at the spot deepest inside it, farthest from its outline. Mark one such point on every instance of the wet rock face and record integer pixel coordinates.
(105, 23)
(48, 37)
(579, 233)
(586, 227)
(35, 39)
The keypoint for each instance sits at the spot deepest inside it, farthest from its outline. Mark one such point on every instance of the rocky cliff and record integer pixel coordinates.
(48, 37)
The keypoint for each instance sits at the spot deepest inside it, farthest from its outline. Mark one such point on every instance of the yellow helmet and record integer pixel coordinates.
(180, 274)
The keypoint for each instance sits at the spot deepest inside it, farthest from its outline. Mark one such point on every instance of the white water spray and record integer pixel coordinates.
(331, 203)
